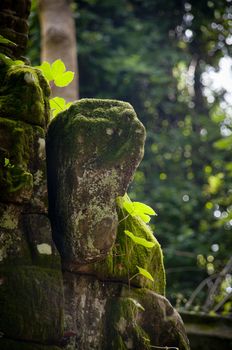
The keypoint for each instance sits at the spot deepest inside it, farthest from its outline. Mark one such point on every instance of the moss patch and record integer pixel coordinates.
(122, 330)
(20, 146)
(23, 93)
(121, 263)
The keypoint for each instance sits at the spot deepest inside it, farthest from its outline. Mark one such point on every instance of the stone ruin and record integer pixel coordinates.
(66, 266)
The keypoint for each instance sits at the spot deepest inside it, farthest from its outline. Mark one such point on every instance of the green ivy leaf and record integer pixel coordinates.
(58, 68)
(64, 79)
(139, 209)
(145, 273)
(138, 240)
(57, 72)
(58, 104)
(45, 67)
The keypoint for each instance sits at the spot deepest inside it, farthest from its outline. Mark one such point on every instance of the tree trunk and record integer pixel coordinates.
(59, 41)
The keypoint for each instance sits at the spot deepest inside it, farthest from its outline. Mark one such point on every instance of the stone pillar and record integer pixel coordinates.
(93, 149)
(31, 286)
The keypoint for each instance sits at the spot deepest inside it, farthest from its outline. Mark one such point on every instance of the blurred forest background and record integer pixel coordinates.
(164, 57)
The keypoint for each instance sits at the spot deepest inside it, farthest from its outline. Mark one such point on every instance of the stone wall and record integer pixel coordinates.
(31, 288)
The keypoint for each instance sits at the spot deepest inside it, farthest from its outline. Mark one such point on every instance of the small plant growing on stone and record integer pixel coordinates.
(56, 74)
(144, 212)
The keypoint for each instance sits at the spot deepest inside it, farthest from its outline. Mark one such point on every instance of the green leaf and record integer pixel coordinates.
(6, 162)
(139, 209)
(58, 68)
(58, 104)
(6, 41)
(64, 79)
(145, 273)
(138, 240)
(45, 67)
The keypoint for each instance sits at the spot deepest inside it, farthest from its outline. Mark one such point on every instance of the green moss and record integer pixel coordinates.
(122, 329)
(23, 93)
(112, 126)
(8, 344)
(18, 145)
(121, 263)
(31, 303)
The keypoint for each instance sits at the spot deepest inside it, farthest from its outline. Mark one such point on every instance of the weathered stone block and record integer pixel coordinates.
(14, 247)
(114, 316)
(39, 234)
(93, 150)
(23, 93)
(31, 303)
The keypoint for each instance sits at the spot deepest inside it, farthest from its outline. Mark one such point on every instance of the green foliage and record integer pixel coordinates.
(13, 177)
(137, 240)
(56, 73)
(58, 104)
(145, 273)
(140, 210)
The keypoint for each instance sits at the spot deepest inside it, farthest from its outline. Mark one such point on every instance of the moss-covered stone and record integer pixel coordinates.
(31, 303)
(23, 93)
(93, 150)
(14, 248)
(9, 344)
(22, 163)
(121, 264)
(122, 328)
(158, 319)
(109, 315)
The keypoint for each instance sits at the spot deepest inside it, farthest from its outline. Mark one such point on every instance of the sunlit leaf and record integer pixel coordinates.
(145, 273)
(45, 67)
(58, 104)
(64, 79)
(58, 68)
(138, 240)
(139, 209)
